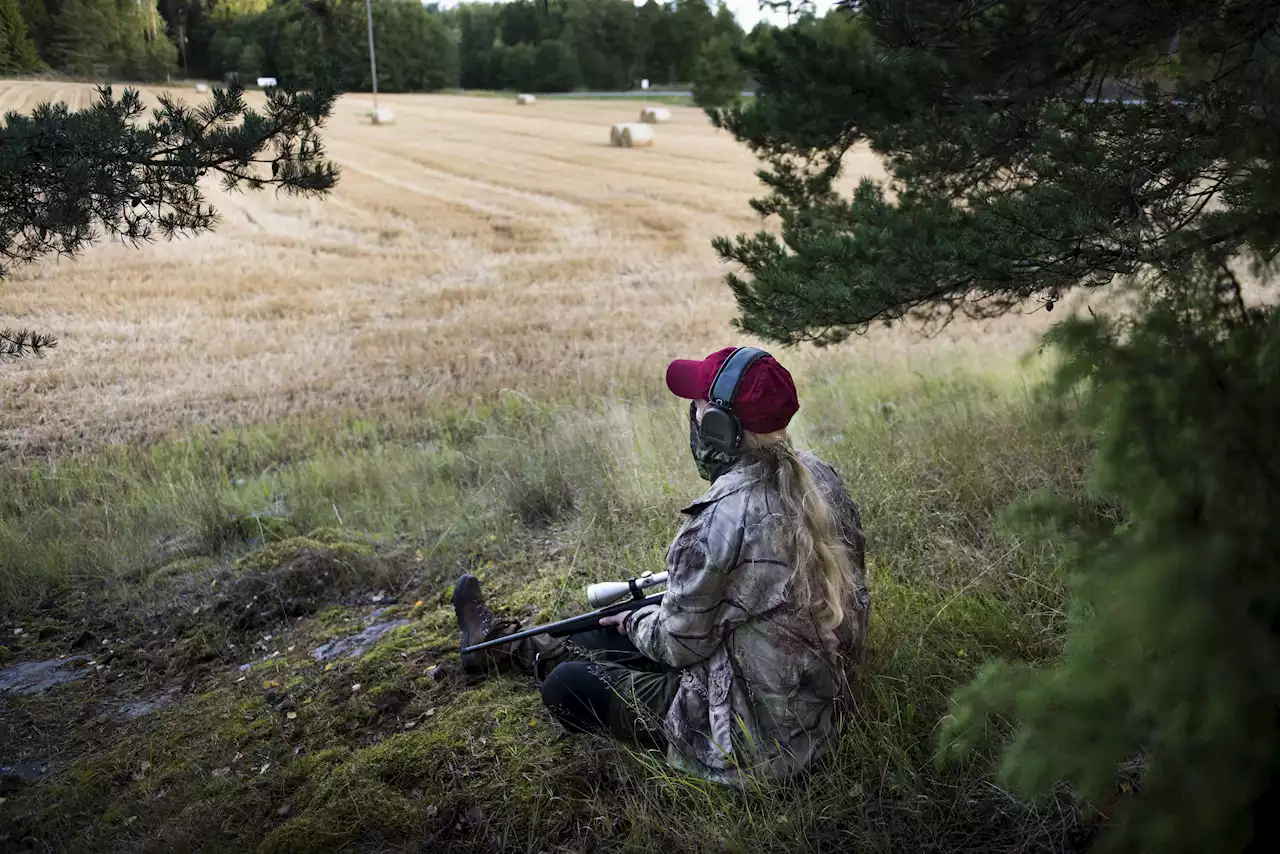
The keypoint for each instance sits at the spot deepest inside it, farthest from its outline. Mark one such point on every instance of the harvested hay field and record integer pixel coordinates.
(472, 246)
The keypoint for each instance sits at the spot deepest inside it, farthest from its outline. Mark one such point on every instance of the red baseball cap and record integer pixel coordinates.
(766, 397)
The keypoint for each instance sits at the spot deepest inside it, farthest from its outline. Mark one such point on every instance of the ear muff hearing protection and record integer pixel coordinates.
(720, 427)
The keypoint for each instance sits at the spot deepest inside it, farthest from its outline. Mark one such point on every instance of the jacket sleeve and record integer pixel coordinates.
(692, 620)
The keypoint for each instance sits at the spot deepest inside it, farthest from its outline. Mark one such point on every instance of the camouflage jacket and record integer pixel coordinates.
(761, 689)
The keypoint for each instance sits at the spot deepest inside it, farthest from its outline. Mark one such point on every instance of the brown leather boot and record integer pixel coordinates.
(478, 625)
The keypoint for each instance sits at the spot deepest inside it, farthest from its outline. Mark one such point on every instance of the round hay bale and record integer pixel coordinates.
(202, 87)
(383, 116)
(655, 115)
(525, 100)
(636, 135)
(615, 135)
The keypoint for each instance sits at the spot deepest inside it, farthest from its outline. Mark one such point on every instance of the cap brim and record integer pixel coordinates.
(683, 378)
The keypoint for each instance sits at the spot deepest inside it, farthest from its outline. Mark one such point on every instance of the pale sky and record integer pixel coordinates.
(746, 11)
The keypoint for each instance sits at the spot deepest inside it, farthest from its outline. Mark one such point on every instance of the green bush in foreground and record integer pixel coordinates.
(1171, 666)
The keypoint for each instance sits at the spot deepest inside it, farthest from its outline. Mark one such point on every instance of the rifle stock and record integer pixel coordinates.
(572, 625)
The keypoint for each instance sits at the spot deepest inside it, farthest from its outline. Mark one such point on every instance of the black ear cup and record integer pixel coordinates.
(720, 429)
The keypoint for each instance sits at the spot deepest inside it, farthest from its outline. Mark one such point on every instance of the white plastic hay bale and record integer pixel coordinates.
(631, 135)
(383, 116)
(264, 82)
(525, 100)
(637, 136)
(655, 115)
(202, 88)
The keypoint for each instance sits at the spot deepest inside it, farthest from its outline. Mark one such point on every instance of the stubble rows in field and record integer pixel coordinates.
(472, 246)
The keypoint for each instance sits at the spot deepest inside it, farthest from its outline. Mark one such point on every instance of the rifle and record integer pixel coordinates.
(604, 598)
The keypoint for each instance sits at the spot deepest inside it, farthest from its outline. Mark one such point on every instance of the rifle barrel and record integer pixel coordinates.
(570, 626)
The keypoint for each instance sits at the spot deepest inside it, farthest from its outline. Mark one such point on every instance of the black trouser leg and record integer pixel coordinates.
(612, 646)
(579, 698)
(621, 691)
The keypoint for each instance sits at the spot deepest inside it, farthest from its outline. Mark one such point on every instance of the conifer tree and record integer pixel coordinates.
(84, 35)
(1039, 147)
(17, 50)
(718, 77)
(36, 14)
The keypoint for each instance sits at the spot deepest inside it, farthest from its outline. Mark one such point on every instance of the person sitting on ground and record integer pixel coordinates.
(743, 669)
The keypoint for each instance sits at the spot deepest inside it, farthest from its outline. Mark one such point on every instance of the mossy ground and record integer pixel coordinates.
(394, 749)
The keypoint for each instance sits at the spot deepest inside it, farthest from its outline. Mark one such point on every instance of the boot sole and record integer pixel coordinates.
(472, 662)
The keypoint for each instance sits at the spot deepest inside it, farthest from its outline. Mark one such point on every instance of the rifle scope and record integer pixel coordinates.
(606, 592)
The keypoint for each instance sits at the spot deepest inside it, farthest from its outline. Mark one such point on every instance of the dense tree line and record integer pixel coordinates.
(103, 38)
(553, 46)
(304, 42)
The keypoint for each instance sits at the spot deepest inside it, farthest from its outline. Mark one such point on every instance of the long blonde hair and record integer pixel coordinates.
(822, 572)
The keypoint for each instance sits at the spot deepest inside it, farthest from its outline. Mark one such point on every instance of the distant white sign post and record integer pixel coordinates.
(644, 84)
(373, 61)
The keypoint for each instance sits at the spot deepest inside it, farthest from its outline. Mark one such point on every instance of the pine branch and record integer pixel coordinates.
(68, 176)
(1011, 176)
(15, 345)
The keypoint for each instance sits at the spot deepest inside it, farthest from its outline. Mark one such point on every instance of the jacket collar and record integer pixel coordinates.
(734, 480)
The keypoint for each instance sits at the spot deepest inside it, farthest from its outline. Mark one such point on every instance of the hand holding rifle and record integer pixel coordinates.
(615, 620)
